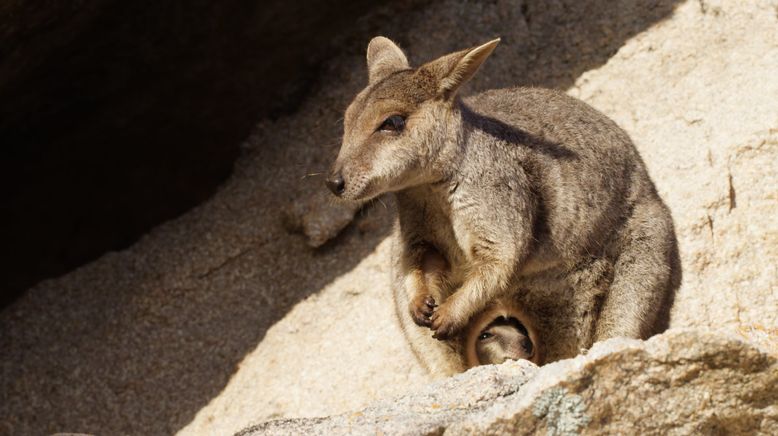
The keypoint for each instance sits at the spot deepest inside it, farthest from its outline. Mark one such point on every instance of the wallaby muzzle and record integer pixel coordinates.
(336, 183)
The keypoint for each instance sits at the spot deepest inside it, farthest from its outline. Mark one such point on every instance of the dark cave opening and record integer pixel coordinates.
(118, 116)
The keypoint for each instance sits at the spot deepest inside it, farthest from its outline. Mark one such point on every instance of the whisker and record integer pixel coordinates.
(311, 175)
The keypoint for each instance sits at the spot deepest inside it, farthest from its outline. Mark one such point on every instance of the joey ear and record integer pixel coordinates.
(455, 69)
(383, 58)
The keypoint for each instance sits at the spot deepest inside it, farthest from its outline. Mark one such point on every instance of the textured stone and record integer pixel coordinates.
(319, 217)
(221, 319)
(697, 94)
(427, 411)
(681, 382)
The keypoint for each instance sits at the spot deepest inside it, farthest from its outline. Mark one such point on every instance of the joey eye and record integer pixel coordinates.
(395, 123)
(484, 336)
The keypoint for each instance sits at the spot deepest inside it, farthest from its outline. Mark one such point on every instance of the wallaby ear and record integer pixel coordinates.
(384, 58)
(455, 69)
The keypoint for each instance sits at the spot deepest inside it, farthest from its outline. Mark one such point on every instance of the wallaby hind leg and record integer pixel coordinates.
(591, 282)
(646, 275)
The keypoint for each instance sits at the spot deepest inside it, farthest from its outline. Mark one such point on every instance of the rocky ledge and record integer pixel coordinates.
(680, 382)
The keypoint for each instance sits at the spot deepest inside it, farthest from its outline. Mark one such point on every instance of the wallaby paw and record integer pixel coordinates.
(444, 324)
(422, 309)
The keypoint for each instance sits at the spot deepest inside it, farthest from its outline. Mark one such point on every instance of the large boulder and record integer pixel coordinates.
(681, 382)
(223, 318)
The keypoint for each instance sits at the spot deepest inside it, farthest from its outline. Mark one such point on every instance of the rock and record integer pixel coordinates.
(221, 319)
(428, 410)
(74, 187)
(319, 217)
(696, 93)
(681, 382)
(683, 88)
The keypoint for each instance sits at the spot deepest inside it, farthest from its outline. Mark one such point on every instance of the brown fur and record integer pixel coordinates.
(519, 189)
(507, 341)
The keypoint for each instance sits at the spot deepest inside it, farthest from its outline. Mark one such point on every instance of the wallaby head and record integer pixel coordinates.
(396, 129)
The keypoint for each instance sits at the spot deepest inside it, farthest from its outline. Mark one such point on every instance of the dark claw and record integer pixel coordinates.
(422, 320)
(421, 314)
(430, 302)
(441, 335)
(443, 329)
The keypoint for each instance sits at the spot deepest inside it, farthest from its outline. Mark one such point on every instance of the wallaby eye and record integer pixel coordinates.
(484, 336)
(395, 123)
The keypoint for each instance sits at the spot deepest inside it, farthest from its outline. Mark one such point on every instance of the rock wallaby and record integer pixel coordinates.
(507, 185)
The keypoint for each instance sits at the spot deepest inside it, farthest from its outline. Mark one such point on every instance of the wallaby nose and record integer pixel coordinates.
(336, 184)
